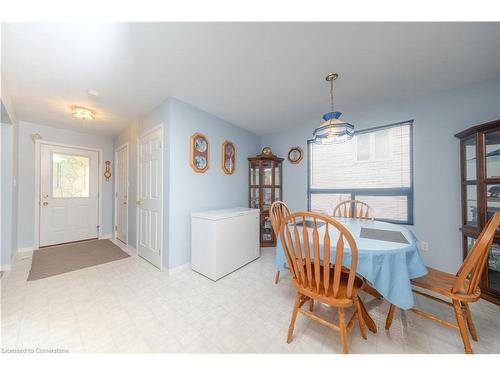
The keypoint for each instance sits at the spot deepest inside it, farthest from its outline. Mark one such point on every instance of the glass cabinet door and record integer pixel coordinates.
(492, 154)
(254, 174)
(470, 158)
(254, 197)
(494, 267)
(267, 198)
(471, 205)
(267, 173)
(267, 229)
(277, 174)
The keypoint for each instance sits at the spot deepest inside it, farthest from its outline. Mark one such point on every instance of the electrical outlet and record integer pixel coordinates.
(424, 245)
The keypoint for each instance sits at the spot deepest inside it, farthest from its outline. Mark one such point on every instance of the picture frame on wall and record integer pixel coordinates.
(199, 153)
(228, 158)
(295, 155)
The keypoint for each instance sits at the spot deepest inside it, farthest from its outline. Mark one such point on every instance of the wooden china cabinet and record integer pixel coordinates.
(480, 181)
(265, 185)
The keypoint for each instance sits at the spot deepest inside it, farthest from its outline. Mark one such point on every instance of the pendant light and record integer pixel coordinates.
(332, 130)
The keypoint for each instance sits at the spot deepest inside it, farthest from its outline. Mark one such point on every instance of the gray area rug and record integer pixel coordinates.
(60, 259)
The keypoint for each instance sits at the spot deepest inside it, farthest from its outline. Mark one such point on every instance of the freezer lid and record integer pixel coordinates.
(224, 213)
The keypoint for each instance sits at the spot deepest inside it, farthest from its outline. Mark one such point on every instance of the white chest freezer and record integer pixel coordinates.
(224, 240)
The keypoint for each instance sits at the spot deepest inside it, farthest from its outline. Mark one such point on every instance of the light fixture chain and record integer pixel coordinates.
(331, 93)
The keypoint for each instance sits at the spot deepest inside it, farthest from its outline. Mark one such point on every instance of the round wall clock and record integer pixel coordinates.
(267, 151)
(295, 155)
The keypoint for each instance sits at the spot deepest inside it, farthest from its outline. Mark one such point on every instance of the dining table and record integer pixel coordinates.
(388, 257)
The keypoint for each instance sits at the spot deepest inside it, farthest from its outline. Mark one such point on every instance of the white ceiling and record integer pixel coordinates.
(263, 77)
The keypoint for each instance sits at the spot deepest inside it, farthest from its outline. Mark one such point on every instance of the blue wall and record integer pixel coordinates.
(188, 191)
(191, 191)
(436, 159)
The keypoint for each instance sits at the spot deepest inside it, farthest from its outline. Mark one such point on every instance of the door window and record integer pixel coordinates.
(70, 176)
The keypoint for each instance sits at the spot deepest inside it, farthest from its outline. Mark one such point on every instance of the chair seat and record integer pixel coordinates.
(442, 283)
(341, 299)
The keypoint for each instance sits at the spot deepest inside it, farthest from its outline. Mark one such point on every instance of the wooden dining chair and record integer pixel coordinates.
(278, 211)
(359, 210)
(462, 288)
(353, 208)
(323, 279)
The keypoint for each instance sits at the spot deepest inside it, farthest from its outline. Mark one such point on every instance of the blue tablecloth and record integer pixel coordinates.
(388, 266)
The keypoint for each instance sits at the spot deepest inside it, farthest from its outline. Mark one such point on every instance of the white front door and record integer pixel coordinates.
(69, 194)
(121, 193)
(150, 176)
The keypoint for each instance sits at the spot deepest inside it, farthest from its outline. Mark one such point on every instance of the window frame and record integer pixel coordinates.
(407, 191)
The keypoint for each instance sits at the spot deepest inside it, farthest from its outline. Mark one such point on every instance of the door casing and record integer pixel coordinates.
(138, 160)
(38, 143)
(125, 145)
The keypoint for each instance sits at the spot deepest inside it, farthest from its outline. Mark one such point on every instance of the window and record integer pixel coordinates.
(70, 176)
(375, 167)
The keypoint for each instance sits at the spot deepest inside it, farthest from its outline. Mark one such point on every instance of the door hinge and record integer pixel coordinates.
(116, 194)
(116, 227)
(97, 226)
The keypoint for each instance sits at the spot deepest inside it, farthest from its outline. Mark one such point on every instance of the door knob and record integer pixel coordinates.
(124, 203)
(45, 203)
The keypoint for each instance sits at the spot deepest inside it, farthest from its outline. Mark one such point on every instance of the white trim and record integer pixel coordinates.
(25, 249)
(106, 237)
(38, 143)
(139, 136)
(124, 145)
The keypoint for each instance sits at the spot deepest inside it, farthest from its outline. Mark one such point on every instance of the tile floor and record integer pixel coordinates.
(129, 306)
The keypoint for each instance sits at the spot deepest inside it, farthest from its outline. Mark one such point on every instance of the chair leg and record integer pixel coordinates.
(470, 322)
(461, 325)
(362, 326)
(311, 305)
(390, 316)
(368, 319)
(277, 277)
(295, 310)
(343, 330)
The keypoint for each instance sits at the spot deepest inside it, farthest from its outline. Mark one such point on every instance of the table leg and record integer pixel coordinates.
(368, 319)
(371, 290)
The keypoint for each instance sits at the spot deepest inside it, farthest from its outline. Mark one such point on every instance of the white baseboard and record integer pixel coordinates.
(175, 270)
(5, 267)
(25, 249)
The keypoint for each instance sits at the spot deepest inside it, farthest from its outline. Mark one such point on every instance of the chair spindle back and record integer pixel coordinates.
(316, 273)
(473, 265)
(278, 211)
(352, 208)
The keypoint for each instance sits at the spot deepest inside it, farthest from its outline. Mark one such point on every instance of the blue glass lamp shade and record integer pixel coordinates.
(333, 130)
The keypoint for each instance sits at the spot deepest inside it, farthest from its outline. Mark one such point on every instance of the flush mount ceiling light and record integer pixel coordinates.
(332, 130)
(82, 113)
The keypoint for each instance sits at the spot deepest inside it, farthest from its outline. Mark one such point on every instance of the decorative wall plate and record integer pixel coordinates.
(295, 155)
(199, 153)
(228, 158)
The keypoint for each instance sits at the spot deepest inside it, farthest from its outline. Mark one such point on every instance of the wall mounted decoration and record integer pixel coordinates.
(199, 152)
(228, 159)
(107, 172)
(295, 155)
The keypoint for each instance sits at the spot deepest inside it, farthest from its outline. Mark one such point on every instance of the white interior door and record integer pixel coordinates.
(150, 176)
(121, 194)
(69, 194)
